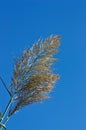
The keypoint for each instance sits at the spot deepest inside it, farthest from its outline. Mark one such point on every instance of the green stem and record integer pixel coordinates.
(7, 108)
(4, 114)
(2, 126)
(7, 119)
(5, 85)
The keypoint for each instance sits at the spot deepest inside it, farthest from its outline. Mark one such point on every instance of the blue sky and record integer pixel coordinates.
(22, 22)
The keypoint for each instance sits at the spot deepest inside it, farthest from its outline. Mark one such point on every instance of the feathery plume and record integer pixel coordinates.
(33, 76)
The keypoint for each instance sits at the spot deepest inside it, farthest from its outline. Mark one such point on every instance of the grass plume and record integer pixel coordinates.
(33, 77)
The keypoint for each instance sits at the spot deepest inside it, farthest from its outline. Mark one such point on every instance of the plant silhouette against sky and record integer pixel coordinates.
(33, 77)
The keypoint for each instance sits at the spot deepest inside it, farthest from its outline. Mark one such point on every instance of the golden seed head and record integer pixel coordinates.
(33, 77)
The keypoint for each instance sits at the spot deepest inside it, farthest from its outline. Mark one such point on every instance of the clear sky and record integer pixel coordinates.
(22, 22)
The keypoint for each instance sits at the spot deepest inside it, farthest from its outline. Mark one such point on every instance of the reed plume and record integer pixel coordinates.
(33, 76)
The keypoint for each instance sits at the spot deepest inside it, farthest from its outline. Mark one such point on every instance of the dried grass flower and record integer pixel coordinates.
(33, 76)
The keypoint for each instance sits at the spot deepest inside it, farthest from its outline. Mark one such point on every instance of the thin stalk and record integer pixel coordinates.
(7, 108)
(5, 85)
(4, 114)
(7, 119)
(2, 126)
